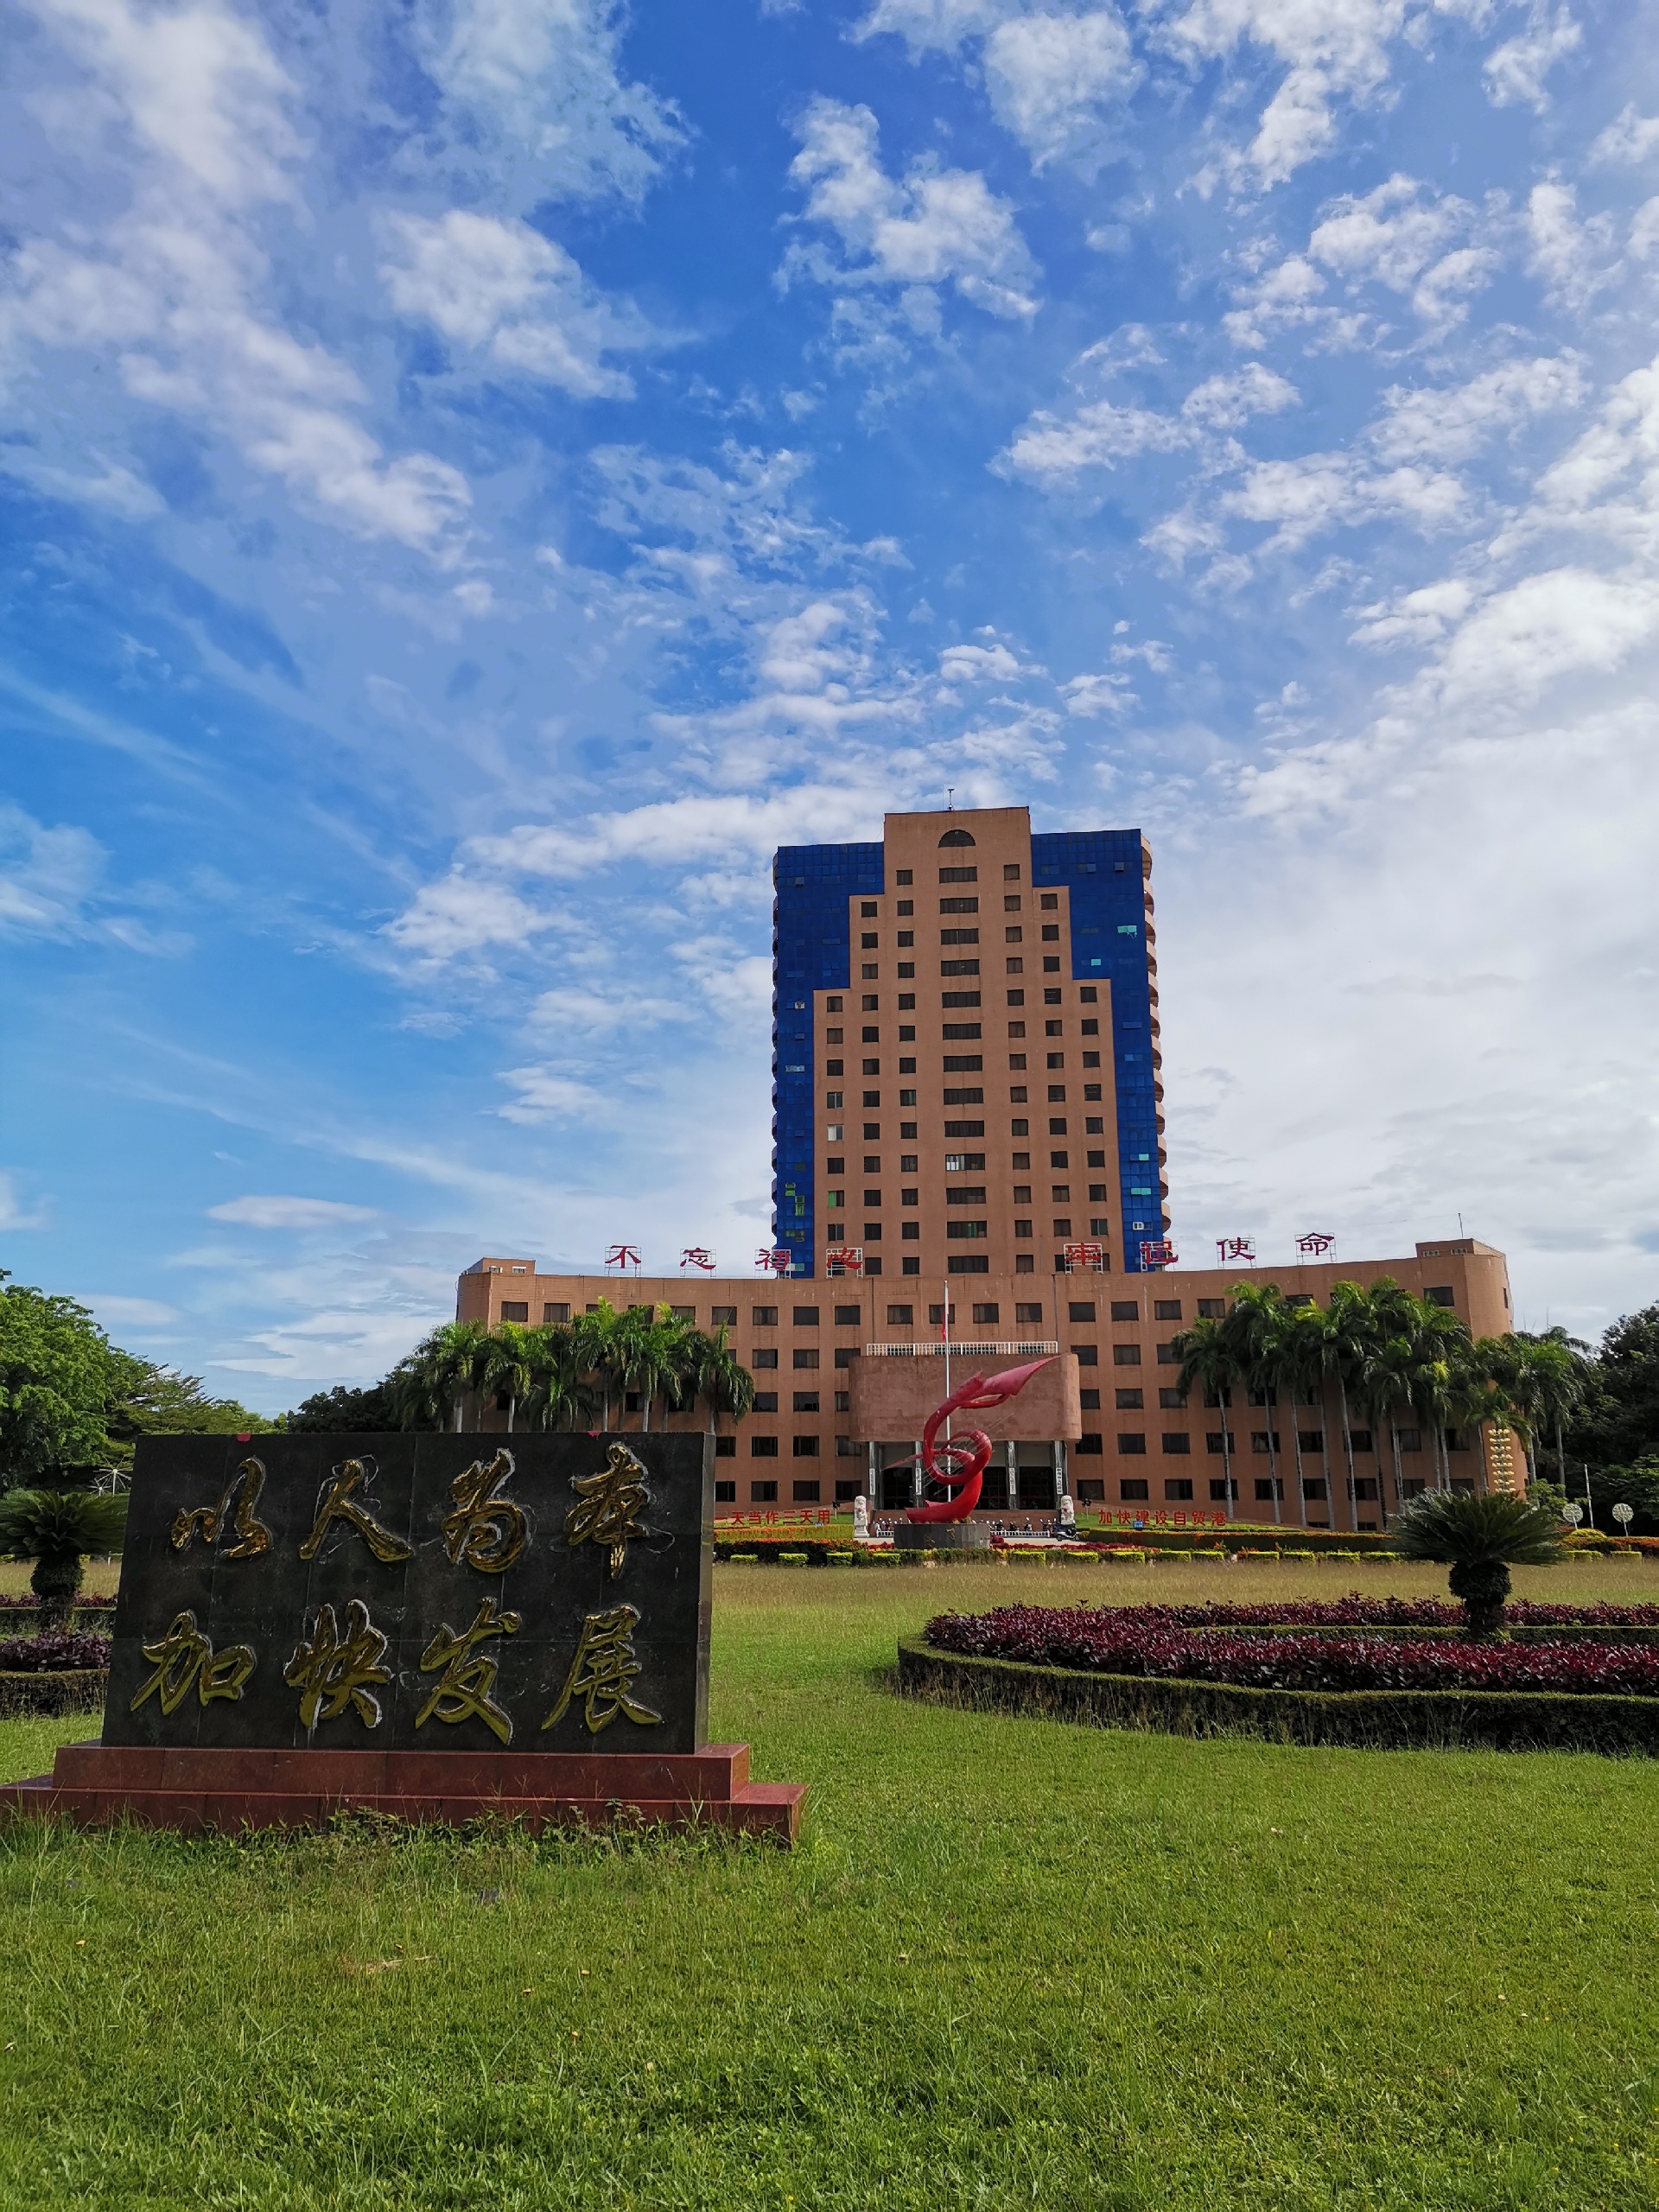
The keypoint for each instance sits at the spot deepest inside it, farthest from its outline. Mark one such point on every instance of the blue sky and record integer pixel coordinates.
(474, 478)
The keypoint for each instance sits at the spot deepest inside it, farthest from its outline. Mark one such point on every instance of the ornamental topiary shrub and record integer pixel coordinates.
(1480, 1534)
(57, 1529)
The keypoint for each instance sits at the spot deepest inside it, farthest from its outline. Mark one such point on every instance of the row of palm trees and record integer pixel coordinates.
(1394, 1361)
(570, 1375)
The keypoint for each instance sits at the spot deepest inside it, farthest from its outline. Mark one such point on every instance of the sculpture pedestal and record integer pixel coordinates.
(192, 1789)
(941, 1537)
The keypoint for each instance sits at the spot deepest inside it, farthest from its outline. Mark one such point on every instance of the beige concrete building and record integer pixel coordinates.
(969, 1143)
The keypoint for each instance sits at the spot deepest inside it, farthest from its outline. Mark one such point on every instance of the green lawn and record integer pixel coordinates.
(1012, 1963)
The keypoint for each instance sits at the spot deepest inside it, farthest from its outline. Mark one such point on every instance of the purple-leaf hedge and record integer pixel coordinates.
(1357, 1610)
(52, 1655)
(1144, 1641)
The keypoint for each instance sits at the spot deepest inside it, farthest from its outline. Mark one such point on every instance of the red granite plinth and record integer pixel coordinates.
(194, 1789)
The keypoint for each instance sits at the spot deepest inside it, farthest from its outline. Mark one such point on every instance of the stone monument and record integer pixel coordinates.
(432, 1625)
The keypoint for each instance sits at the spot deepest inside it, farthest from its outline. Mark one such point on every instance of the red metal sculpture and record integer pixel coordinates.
(962, 1460)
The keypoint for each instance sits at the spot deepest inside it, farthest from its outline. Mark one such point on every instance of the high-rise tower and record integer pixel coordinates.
(965, 1062)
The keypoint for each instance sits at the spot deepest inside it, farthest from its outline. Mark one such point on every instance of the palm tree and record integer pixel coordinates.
(559, 1390)
(1344, 1335)
(1480, 1536)
(1545, 1379)
(429, 1388)
(1254, 1326)
(1205, 1352)
(719, 1377)
(1296, 1361)
(57, 1529)
(595, 1348)
(510, 1362)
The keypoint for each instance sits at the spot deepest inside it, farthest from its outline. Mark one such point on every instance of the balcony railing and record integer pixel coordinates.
(966, 1349)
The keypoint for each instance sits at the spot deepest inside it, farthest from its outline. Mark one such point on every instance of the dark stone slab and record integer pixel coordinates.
(499, 1613)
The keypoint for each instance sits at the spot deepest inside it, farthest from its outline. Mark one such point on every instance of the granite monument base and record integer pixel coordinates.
(941, 1537)
(195, 1788)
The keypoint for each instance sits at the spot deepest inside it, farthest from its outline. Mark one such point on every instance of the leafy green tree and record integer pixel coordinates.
(146, 1400)
(719, 1378)
(1617, 1422)
(559, 1391)
(509, 1364)
(344, 1412)
(1209, 1361)
(1254, 1333)
(1480, 1534)
(428, 1388)
(55, 1529)
(55, 1373)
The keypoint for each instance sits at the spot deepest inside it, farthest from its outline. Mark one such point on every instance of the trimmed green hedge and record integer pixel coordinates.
(78, 1690)
(1374, 1720)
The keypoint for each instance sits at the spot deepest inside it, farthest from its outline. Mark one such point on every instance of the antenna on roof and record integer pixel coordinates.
(950, 798)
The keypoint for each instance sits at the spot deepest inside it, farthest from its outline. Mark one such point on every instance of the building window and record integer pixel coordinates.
(1165, 1309)
(766, 1401)
(725, 1493)
(763, 1317)
(1131, 1443)
(1218, 1489)
(805, 1447)
(1132, 1492)
(515, 1309)
(1267, 1489)
(805, 1493)
(1259, 1440)
(1177, 1444)
(764, 1356)
(1217, 1442)
(987, 1315)
(1311, 1439)
(727, 1314)
(554, 1314)
(1365, 1488)
(1169, 1357)
(1091, 1491)
(805, 1401)
(1212, 1309)
(1130, 1401)
(1360, 1439)
(805, 1356)
(1313, 1489)
(1172, 1401)
(725, 1447)
(1089, 1444)
(900, 1317)
(763, 1493)
(1090, 1401)
(1086, 1355)
(1080, 1309)
(967, 1263)
(763, 1447)
(1125, 1309)
(1440, 1294)
(848, 1487)
(847, 1317)
(807, 1316)
(1409, 1439)
(1126, 1355)
(1178, 1487)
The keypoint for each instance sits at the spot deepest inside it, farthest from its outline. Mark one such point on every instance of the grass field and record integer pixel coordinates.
(1013, 1963)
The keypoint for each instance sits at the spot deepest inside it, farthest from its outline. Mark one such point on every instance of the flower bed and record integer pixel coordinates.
(1356, 1610)
(1141, 1641)
(60, 1653)
(55, 1673)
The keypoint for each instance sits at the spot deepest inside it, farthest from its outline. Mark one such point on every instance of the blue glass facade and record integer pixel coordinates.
(1101, 870)
(811, 951)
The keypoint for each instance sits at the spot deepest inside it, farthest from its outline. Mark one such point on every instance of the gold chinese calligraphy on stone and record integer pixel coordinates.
(603, 1673)
(184, 1660)
(488, 1531)
(609, 1505)
(339, 1504)
(252, 1536)
(469, 1671)
(331, 1671)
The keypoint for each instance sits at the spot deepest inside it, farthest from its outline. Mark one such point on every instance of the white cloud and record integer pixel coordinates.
(1450, 425)
(1096, 696)
(978, 665)
(116, 1313)
(254, 1212)
(1334, 49)
(1564, 622)
(542, 77)
(502, 289)
(197, 86)
(460, 914)
(1054, 451)
(1516, 71)
(14, 1213)
(1569, 256)
(545, 1095)
(939, 25)
(1415, 617)
(930, 228)
(1057, 83)
(1628, 140)
(1326, 491)
(46, 876)
(168, 294)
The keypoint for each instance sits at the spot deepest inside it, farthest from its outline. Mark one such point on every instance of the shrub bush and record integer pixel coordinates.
(1142, 1641)
(56, 1654)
